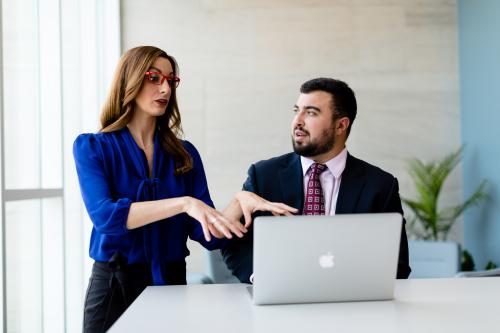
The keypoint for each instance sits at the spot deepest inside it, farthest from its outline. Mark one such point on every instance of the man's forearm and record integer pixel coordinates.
(233, 210)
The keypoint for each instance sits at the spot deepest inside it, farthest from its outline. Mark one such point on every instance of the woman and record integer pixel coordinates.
(144, 189)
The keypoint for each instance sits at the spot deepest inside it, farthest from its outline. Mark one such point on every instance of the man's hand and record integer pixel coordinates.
(251, 202)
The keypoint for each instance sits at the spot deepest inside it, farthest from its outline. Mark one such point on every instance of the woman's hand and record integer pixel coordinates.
(251, 202)
(212, 221)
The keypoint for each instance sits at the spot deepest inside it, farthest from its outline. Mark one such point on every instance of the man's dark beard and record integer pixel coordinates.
(317, 147)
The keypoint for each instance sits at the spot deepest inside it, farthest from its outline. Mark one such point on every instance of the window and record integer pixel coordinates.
(57, 59)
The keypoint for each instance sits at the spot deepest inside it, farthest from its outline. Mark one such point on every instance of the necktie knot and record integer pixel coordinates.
(317, 169)
(314, 201)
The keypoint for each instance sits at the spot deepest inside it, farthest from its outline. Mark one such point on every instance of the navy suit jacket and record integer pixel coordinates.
(364, 188)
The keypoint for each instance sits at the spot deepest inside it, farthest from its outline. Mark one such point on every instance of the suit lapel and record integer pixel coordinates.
(351, 186)
(292, 184)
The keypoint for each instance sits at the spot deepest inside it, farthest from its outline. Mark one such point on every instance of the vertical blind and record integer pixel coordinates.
(57, 61)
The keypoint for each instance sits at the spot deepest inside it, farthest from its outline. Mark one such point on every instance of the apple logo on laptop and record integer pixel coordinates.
(326, 260)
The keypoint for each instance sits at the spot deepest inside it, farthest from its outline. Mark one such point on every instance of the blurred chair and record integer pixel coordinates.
(217, 271)
(198, 278)
(434, 259)
(216, 268)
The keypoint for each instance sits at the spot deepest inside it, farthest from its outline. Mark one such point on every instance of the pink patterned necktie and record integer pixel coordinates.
(314, 203)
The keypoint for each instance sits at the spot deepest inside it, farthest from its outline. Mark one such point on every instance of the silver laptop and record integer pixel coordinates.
(303, 259)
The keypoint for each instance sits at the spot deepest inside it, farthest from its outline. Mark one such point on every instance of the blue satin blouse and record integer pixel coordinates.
(113, 173)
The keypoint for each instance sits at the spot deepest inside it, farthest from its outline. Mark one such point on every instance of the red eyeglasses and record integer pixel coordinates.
(158, 78)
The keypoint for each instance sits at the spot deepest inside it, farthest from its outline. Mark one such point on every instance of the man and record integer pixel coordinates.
(320, 176)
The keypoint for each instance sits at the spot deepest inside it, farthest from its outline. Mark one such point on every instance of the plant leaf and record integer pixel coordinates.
(428, 179)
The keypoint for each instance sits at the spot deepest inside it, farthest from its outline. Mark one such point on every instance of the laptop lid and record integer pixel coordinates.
(302, 259)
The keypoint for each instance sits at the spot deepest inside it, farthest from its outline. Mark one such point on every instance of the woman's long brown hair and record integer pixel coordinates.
(119, 106)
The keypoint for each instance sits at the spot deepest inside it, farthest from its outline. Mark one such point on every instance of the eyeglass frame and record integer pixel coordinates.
(176, 80)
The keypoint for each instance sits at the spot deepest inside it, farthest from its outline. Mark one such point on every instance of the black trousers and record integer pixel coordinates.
(114, 285)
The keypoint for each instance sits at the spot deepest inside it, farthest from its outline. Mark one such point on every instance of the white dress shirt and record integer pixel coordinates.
(329, 179)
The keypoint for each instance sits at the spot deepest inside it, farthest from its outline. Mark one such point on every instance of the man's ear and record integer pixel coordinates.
(341, 126)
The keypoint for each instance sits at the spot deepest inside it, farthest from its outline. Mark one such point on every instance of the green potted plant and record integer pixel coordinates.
(429, 222)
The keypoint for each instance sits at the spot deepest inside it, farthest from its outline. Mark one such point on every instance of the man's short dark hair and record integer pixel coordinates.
(343, 99)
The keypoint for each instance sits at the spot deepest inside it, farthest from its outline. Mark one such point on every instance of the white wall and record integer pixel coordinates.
(242, 62)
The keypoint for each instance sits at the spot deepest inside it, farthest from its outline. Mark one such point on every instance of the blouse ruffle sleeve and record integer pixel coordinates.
(108, 214)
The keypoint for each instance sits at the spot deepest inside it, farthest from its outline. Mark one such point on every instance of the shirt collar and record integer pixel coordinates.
(336, 165)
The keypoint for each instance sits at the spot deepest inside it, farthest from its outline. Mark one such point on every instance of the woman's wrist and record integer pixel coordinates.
(185, 203)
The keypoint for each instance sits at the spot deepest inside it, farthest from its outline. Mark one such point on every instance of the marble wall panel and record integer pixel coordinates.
(242, 63)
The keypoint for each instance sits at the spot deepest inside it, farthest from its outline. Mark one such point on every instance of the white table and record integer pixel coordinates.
(421, 305)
